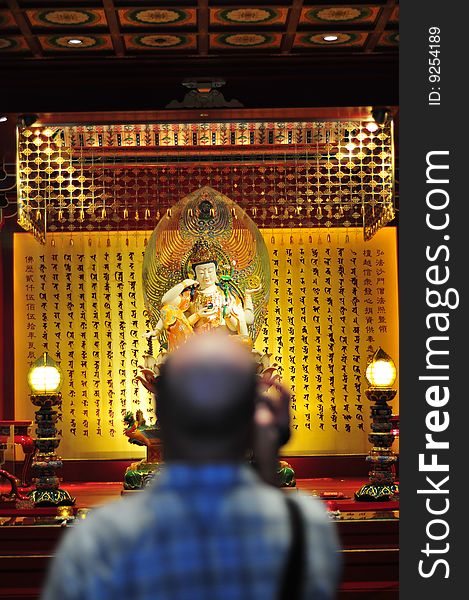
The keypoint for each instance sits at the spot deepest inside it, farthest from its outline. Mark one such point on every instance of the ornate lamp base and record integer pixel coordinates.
(377, 492)
(382, 486)
(54, 497)
(139, 475)
(46, 462)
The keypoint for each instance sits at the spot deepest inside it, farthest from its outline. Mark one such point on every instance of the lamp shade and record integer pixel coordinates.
(44, 377)
(381, 371)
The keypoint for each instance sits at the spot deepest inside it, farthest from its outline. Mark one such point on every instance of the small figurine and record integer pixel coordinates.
(174, 303)
(139, 474)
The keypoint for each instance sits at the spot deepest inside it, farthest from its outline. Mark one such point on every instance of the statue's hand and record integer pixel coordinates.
(147, 378)
(253, 290)
(254, 284)
(207, 312)
(149, 334)
(188, 282)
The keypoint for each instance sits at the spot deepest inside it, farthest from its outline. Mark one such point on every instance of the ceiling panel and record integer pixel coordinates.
(339, 15)
(62, 43)
(248, 16)
(7, 21)
(351, 39)
(13, 44)
(70, 18)
(200, 27)
(160, 17)
(245, 41)
(161, 41)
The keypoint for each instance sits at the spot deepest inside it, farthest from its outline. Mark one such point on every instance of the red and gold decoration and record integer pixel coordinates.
(44, 379)
(160, 41)
(87, 42)
(249, 15)
(381, 374)
(305, 40)
(245, 40)
(120, 177)
(339, 15)
(13, 43)
(67, 18)
(149, 17)
(288, 28)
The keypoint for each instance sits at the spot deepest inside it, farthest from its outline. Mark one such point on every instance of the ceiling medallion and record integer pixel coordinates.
(341, 14)
(248, 15)
(67, 17)
(157, 16)
(160, 40)
(245, 39)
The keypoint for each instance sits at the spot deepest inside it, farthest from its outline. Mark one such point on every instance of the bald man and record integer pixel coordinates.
(208, 528)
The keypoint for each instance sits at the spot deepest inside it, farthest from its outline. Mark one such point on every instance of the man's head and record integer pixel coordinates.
(205, 399)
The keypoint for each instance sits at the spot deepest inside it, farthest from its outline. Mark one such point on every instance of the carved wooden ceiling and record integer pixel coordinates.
(107, 59)
(118, 28)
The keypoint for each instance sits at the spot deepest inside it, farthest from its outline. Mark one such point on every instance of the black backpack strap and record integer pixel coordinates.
(294, 573)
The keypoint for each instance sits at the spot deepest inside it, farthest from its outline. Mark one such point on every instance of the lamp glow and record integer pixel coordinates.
(381, 372)
(44, 376)
(372, 126)
(330, 38)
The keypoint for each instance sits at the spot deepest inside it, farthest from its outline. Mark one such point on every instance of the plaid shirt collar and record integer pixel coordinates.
(183, 475)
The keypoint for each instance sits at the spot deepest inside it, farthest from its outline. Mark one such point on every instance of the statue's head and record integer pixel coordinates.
(203, 260)
(206, 274)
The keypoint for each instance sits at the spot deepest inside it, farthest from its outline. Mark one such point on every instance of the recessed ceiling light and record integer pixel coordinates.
(330, 38)
(75, 41)
(3, 118)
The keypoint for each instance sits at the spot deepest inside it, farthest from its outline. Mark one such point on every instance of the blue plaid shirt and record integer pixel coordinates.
(206, 532)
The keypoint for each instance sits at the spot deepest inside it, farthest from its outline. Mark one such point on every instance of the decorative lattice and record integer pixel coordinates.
(118, 177)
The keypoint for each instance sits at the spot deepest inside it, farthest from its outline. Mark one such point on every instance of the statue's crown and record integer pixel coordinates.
(202, 252)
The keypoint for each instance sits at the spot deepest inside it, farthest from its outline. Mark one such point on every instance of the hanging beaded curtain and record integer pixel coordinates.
(292, 174)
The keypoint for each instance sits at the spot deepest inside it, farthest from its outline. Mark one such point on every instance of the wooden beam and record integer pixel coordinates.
(288, 80)
(25, 29)
(217, 114)
(202, 25)
(114, 29)
(381, 23)
(292, 24)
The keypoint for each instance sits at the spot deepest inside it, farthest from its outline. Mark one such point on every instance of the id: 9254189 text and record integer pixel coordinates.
(434, 66)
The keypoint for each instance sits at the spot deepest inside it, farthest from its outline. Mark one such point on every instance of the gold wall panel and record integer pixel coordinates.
(333, 301)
